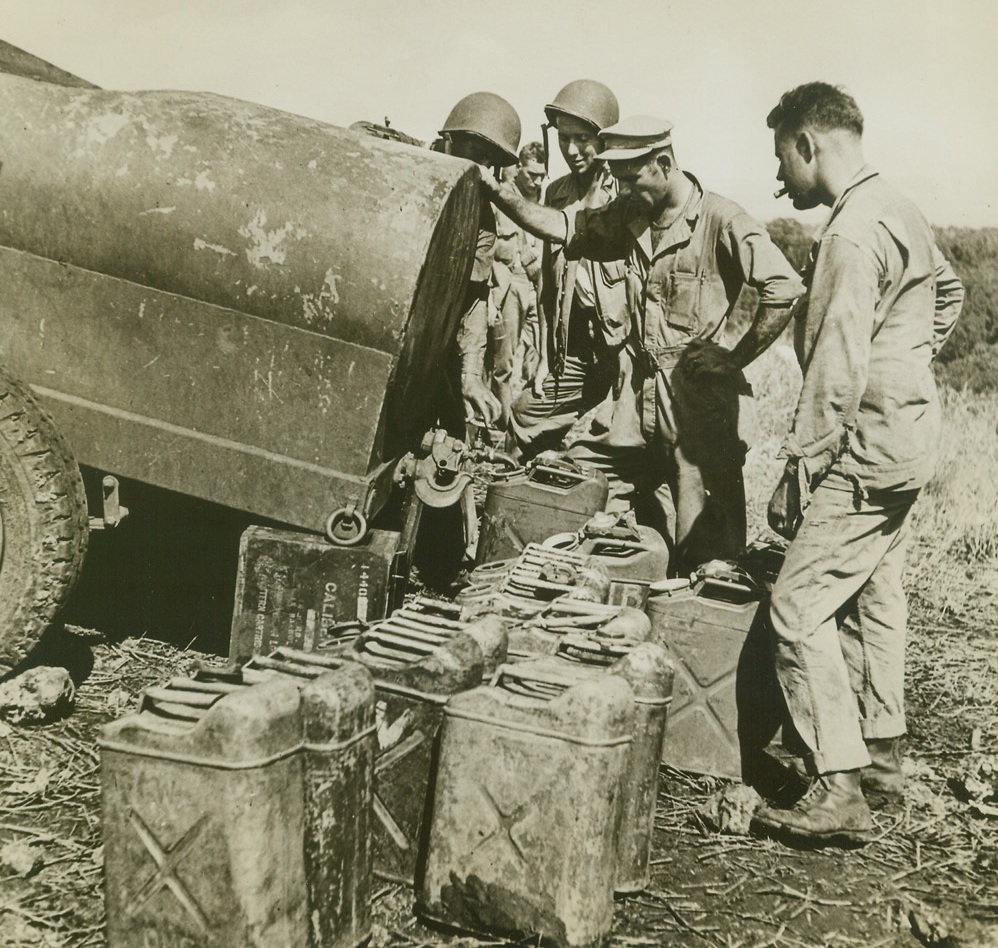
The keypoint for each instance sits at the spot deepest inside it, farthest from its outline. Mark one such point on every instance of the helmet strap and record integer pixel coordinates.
(547, 149)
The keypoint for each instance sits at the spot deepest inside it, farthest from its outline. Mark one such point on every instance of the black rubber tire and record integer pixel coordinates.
(44, 526)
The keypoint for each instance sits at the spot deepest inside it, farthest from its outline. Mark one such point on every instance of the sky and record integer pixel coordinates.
(925, 74)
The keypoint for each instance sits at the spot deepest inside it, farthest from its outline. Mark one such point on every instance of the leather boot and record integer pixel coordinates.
(833, 811)
(883, 779)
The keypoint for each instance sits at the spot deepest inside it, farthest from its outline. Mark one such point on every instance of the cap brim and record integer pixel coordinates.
(625, 154)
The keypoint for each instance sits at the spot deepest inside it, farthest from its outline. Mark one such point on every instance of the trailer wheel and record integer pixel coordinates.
(43, 521)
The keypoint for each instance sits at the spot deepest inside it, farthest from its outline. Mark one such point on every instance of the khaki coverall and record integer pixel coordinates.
(584, 305)
(881, 301)
(517, 253)
(479, 299)
(668, 434)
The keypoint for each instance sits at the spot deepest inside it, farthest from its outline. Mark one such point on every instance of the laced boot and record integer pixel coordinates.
(833, 811)
(883, 779)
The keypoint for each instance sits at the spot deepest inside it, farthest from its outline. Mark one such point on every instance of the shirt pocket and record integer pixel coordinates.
(613, 272)
(682, 307)
(611, 301)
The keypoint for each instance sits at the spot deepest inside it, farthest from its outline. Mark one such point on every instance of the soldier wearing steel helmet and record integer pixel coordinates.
(669, 430)
(485, 129)
(582, 302)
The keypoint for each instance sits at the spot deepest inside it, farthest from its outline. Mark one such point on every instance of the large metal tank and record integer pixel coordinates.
(226, 300)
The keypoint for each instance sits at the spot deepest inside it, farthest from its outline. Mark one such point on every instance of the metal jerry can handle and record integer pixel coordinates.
(560, 474)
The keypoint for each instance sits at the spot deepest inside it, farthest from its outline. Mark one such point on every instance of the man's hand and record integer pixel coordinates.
(708, 358)
(623, 363)
(479, 400)
(490, 186)
(784, 507)
(541, 373)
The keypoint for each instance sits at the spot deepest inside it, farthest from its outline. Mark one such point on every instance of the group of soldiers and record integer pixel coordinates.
(636, 268)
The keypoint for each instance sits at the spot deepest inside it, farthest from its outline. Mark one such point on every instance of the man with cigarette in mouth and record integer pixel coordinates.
(668, 431)
(881, 300)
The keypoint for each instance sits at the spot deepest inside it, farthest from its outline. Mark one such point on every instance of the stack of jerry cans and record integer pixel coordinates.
(239, 815)
(726, 703)
(552, 496)
(527, 802)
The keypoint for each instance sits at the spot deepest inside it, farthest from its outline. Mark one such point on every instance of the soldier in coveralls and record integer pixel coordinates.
(881, 301)
(668, 429)
(485, 129)
(583, 316)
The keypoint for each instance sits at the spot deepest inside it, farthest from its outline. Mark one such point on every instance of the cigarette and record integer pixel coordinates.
(781, 192)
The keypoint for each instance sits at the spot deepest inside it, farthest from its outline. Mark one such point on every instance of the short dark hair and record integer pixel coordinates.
(819, 105)
(532, 151)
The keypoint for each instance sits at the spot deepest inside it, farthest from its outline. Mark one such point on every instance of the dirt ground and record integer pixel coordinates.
(930, 877)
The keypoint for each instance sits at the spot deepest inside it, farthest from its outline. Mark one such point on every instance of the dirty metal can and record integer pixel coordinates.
(210, 773)
(522, 839)
(726, 705)
(549, 498)
(413, 679)
(633, 555)
(647, 669)
(291, 586)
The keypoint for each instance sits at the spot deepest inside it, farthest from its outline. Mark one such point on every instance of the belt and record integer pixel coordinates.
(659, 357)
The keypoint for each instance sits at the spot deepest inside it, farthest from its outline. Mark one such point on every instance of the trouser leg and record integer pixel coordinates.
(873, 635)
(541, 423)
(834, 555)
(700, 417)
(505, 335)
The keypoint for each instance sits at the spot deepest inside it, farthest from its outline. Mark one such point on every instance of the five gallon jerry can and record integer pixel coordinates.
(238, 815)
(413, 679)
(522, 841)
(726, 705)
(553, 496)
(292, 586)
(647, 669)
(633, 555)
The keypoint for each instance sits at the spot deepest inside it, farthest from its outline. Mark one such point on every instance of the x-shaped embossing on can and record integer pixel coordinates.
(167, 858)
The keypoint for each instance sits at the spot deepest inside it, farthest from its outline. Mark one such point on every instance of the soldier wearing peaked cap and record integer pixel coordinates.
(670, 445)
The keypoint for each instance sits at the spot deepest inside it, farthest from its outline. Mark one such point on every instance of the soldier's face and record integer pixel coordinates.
(579, 143)
(797, 170)
(529, 178)
(643, 179)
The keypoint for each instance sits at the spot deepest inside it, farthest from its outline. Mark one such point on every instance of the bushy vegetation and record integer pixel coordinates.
(970, 358)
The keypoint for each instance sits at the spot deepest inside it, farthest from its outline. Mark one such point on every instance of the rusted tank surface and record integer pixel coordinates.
(227, 300)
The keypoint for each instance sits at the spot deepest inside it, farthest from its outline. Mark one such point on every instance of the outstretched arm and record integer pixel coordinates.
(541, 221)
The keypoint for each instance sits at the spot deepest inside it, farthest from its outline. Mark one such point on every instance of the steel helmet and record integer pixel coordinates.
(490, 117)
(585, 99)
